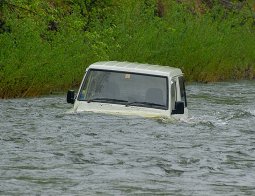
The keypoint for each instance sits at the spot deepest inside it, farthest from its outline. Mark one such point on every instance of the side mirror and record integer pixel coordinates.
(70, 97)
(179, 107)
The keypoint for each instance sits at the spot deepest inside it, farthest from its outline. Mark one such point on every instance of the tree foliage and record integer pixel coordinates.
(47, 44)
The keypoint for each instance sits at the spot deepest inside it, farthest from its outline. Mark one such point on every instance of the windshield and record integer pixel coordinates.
(130, 89)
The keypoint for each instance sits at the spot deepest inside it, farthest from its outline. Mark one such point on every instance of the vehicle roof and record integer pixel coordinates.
(136, 68)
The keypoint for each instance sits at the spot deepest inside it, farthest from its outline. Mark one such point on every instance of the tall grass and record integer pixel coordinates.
(209, 47)
(36, 58)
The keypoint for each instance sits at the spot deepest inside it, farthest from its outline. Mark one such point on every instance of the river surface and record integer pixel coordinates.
(44, 151)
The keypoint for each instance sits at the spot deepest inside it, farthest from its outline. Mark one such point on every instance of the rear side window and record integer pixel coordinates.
(173, 94)
(182, 90)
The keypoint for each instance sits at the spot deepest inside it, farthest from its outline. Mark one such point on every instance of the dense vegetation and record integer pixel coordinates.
(45, 45)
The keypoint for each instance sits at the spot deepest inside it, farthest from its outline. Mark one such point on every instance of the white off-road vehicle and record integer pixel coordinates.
(131, 89)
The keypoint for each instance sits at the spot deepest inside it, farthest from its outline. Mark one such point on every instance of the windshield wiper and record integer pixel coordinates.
(134, 103)
(139, 103)
(107, 100)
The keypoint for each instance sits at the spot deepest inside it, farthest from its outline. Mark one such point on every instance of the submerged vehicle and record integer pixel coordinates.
(131, 89)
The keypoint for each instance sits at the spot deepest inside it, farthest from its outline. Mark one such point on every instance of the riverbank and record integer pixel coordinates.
(46, 45)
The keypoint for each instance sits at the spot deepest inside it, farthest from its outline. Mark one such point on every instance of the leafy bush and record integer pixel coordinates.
(46, 45)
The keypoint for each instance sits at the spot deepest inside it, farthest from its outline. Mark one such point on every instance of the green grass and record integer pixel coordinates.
(37, 58)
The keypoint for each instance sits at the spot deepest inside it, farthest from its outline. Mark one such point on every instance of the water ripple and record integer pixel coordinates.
(46, 151)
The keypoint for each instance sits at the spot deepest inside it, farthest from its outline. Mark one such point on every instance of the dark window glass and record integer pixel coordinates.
(125, 88)
(182, 90)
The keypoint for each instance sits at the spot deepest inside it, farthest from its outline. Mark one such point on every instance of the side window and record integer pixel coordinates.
(173, 94)
(182, 90)
(83, 89)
